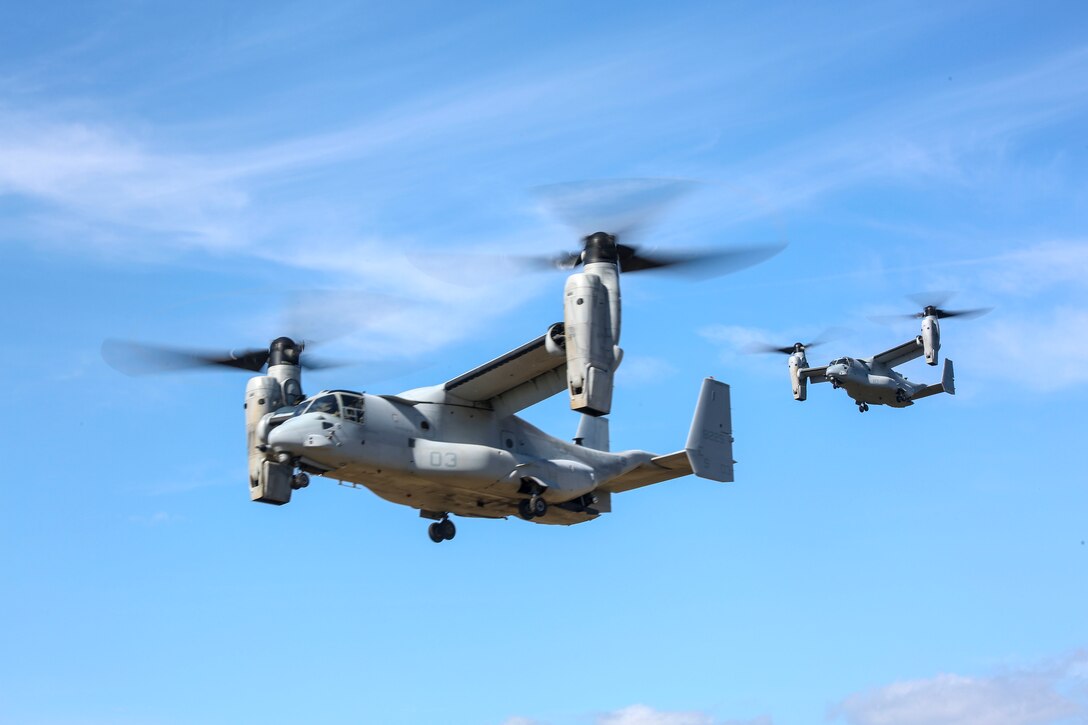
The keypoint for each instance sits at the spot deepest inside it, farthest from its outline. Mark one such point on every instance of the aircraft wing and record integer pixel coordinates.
(656, 470)
(815, 375)
(901, 354)
(516, 380)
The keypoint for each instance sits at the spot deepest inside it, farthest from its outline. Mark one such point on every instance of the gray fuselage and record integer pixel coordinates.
(870, 382)
(428, 450)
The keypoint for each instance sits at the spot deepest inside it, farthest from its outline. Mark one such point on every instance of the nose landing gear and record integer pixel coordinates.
(862, 407)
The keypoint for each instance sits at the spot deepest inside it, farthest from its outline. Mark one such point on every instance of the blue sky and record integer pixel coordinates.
(173, 173)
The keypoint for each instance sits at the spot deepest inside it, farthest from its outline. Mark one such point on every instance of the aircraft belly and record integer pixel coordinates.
(465, 479)
(877, 390)
(461, 496)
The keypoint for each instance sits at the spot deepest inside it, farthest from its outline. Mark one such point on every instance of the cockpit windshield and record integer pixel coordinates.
(341, 404)
(325, 404)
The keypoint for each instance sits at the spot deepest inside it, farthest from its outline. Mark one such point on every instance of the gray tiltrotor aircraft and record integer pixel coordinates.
(873, 380)
(459, 447)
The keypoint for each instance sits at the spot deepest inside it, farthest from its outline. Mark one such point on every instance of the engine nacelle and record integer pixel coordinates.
(269, 482)
(931, 338)
(273, 485)
(797, 363)
(590, 343)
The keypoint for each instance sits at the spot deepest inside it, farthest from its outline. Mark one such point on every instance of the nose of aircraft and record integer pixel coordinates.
(288, 435)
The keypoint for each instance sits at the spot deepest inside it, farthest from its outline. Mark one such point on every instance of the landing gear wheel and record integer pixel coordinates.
(538, 506)
(300, 480)
(447, 529)
(862, 407)
(524, 510)
(899, 395)
(440, 531)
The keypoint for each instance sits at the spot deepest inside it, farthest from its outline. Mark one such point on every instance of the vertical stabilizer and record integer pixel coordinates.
(710, 440)
(948, 379)
(592, 433)
(947, 384)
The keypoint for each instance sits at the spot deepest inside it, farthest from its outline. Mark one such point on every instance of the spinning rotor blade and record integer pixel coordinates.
(696, 263)
(787, 350)
(133, 358)
(768, 347)
(561, 261)
(611, 213)
(931, 302)
(622, 207)
(966, 314)
(931, 299)
(831, 333)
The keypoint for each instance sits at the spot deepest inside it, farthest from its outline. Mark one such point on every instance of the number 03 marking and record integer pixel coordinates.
(441, 460)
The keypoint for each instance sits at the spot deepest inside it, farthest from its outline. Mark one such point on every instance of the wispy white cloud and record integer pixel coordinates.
(951, 135)
(1026, 697)
(121, 176)
(644, 715)
(738, 337)
(1038, 268)
(124, 190)
(1044, 354)
(644, 370)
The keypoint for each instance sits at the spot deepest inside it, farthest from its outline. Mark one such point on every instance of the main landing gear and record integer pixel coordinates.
(862, 407)
(900, 396)
(531, 508)
(440, 531)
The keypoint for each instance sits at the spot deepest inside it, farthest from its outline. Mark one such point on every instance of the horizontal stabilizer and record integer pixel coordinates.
(656, 470)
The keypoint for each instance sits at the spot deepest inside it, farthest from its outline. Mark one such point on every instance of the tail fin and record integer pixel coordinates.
(593, 433)
(710, 440)
(948, 379)
(947, 384)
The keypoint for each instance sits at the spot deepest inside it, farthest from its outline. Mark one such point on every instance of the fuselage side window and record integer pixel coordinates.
(351, 407)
